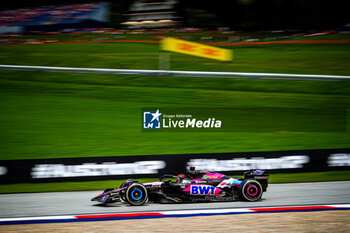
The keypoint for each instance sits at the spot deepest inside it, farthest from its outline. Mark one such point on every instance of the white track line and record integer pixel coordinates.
(181, 73)
(37, 218)
(211, 211)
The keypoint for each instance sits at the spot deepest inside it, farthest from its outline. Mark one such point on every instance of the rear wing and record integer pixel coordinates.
(258, 175)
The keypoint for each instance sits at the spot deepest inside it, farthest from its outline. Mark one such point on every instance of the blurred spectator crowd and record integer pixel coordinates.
(47, 15)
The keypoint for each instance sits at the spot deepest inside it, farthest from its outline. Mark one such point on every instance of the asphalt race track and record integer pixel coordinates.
(68, 203)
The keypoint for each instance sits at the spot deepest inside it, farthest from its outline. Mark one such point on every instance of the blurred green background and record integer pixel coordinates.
(55, 115)
(63, 115)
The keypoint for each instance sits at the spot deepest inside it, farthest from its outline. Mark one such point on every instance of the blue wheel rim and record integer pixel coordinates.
(133, 194)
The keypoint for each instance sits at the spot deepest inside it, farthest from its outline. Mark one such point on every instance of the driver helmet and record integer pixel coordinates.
(191, 171)
(181, 177)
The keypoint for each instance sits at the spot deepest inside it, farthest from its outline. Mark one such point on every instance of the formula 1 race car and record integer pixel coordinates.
(195, 186)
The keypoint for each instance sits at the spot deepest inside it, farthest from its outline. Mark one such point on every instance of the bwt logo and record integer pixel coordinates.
(202, 190)
(151, 120)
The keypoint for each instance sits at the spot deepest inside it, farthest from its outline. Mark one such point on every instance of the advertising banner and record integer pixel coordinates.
(196, 49)
(123, 167)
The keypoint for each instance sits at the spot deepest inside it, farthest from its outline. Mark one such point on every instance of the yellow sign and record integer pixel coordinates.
(196, 49)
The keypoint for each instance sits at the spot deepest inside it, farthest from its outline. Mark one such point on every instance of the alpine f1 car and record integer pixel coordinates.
(195, 186)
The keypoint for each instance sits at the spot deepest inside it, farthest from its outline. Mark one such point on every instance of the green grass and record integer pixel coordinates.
(63, 186)
(299, 59)
(49, 117)
(309, 177)
(101, 185)
(56, 115)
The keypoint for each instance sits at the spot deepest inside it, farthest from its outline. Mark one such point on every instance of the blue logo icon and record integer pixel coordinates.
(151, 120)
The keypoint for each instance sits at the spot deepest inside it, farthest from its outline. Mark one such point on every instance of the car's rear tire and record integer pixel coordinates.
(250, 190)
(136, 194)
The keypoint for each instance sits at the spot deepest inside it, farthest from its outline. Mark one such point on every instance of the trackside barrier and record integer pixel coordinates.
(180, 73)
(151, 166)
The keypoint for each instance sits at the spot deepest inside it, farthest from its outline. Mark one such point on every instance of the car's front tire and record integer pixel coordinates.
(136, 194)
